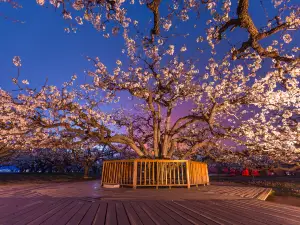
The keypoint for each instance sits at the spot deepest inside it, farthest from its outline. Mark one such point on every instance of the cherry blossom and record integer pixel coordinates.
(170, 50)
(40, 2)
(17, 61)
(79, 20)
(287, 38)
(167, 24)
(183, 49)
(25, 82)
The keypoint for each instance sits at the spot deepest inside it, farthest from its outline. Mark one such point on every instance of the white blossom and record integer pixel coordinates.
(25, 82)
(40, 2)
(287, 38)
(17, 61)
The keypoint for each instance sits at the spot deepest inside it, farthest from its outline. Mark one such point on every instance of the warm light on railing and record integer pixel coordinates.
(145, 172)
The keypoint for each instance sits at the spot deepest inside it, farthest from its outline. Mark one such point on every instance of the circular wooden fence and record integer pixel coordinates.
(145, 172)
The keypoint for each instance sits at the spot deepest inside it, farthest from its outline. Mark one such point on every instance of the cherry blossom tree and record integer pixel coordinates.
(222, 100)
(43, 160)
(88, 157)
(243, 105)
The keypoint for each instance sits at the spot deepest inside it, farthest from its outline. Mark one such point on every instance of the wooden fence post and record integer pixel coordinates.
(103, 170)
(188, 174)
(134, 173)
(206, 174)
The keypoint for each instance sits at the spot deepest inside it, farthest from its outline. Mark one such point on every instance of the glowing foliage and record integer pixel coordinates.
(243, 101)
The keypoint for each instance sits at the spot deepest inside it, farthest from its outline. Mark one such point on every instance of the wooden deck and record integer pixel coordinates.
(86, 203)
(77, 211)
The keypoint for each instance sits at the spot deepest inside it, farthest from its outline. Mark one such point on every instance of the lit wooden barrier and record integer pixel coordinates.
(156, 172)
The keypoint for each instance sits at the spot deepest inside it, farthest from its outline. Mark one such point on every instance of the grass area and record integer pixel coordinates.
(286, 200)
(282, 186)
(279, 188)
(22, 178)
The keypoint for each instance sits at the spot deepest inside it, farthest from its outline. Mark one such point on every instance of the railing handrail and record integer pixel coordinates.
(151, 160)
(119, 160)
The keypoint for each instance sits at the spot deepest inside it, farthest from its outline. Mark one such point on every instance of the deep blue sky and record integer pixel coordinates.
(47, 51)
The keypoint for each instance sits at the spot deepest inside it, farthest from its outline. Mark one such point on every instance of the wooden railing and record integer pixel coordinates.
(145, 172)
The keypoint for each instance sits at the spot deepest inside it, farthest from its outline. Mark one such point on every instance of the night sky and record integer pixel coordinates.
(47, 51)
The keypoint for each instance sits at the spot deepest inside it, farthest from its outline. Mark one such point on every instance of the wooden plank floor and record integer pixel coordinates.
(76, 211)
(87, 203)
(92, 189)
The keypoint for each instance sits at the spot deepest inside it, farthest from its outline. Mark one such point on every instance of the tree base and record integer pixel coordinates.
(111, 186)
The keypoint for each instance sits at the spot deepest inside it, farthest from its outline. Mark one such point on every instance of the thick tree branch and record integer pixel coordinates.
(154, 7)
(245, 21)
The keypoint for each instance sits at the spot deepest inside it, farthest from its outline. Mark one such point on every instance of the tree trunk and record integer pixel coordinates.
(95, 169)
(50, 169)
(155, 135)
(166, 141)
(86, 171)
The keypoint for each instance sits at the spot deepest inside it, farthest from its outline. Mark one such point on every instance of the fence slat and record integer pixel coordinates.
(130, 172)
(181, 166)
(134, 174)
(149, 175)
(153, 168)
(144, 172)
(187, 174)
